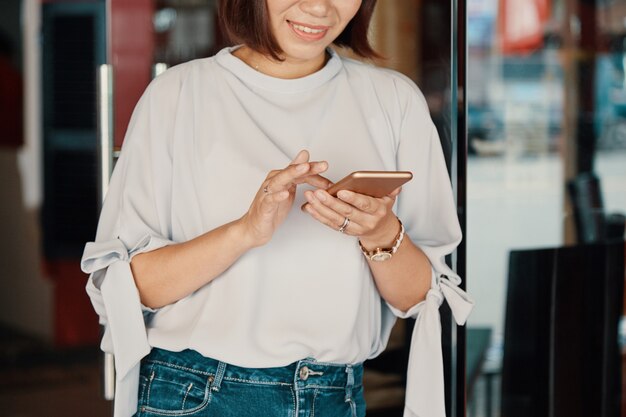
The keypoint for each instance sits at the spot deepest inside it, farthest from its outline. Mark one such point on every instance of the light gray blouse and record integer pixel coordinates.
(200, 143)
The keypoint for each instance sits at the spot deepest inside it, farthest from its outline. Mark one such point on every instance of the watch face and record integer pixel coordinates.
(381, 256)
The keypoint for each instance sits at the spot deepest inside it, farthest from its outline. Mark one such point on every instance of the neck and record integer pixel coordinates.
(286, 69)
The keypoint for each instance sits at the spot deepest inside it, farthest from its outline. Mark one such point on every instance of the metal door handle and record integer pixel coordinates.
(106, 157)
(105, 162)
(159, 68)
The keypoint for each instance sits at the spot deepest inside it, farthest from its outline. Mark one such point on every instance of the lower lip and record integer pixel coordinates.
(307, 36)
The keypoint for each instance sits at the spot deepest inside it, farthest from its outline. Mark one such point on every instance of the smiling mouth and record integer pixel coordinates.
(308, 32)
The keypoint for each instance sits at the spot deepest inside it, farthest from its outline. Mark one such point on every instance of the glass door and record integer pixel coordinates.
(546, 198)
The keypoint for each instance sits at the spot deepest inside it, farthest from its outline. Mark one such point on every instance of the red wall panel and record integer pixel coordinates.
(131, 46)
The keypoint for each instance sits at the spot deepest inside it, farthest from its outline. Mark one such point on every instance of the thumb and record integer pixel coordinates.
(395, 192)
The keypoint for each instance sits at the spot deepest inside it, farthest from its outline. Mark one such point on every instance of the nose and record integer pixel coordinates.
(317, 8)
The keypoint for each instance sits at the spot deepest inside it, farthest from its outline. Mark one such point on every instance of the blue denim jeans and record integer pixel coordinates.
(189, 384)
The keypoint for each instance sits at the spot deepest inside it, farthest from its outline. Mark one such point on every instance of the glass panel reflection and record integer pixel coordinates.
(185, 30)
(546, 176)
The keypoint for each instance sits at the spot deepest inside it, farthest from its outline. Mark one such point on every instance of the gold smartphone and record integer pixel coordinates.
(373, 183)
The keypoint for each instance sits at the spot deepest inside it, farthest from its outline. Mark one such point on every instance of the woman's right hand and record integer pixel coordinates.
(275, 197)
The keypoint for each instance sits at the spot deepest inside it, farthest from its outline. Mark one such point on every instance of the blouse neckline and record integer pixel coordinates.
(253, 77)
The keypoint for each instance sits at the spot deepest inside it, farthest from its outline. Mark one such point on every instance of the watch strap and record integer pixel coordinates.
(383, 254)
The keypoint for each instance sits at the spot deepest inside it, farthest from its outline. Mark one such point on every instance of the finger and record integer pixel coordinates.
(272, 174)
(390, 198)
(302, 156)
(395, 192)
(317, 167)
(353, 229)
(316, 181)
(265, 187)
(337, 205)
(270, 201)
(297, 174)
(287, 177)
(332, 217)
(274, 182)
(362, 202)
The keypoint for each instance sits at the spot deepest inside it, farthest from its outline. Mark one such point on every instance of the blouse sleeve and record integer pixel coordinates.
(133, 220)
(428, 211)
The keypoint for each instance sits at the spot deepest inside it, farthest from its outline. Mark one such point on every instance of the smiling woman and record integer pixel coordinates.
(220, 296)
(288, 38)
(260, 34)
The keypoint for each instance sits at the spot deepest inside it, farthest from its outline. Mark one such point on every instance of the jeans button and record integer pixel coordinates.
(304, 373)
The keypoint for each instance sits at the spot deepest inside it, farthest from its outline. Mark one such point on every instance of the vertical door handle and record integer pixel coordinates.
(105, 127)
(105, 163)
(106, 156)
(158, 69)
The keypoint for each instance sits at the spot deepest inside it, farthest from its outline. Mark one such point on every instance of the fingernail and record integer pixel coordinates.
(320, 195)
(302, 167)
(344, 194)
(309, 196)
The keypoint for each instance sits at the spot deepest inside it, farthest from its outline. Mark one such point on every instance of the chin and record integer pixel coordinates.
(300, 55)
(303, 52)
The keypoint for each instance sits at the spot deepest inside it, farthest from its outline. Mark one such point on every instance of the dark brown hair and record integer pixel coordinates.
(247, 22)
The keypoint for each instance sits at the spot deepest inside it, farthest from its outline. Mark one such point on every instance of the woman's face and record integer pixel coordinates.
(304, 28)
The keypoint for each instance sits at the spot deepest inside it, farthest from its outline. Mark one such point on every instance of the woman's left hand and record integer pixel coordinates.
(371, 219)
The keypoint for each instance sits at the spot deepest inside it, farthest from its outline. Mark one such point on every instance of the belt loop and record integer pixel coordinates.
(349, 383)
(219, 374)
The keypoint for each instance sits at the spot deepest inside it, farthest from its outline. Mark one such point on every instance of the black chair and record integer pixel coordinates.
(561, 354)
(592, 223)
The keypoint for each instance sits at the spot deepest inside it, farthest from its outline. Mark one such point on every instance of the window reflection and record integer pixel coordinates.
(185, 30)
(547, 142)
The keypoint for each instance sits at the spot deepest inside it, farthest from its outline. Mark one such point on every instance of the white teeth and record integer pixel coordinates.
(307, 29)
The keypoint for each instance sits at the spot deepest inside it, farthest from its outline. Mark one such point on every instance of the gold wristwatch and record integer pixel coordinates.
(383, 254)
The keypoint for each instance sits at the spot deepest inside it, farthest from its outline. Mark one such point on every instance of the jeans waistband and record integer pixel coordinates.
(301, 374)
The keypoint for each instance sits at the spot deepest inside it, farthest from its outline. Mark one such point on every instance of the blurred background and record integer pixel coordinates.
(529, 97)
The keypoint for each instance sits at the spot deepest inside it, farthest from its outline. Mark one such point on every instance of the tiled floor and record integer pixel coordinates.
(53, 391)
(38, 381)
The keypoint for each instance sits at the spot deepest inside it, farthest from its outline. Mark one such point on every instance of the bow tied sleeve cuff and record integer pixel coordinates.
(425, 375)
